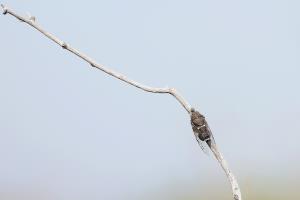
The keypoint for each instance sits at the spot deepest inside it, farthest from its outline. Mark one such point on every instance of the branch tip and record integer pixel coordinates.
(4, 9)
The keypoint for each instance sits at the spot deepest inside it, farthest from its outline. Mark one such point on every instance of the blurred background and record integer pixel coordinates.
(69, 131)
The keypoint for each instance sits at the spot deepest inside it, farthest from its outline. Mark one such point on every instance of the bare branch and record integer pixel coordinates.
(31, 20)
(234, 184)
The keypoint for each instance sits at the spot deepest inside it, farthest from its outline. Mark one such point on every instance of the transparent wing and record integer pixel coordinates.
(211, 135)
(203, 146)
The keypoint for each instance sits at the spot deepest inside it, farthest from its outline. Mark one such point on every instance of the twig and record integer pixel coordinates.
(31, 20)
(234, 184)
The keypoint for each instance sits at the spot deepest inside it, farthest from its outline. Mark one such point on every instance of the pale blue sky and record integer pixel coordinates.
(72, 132)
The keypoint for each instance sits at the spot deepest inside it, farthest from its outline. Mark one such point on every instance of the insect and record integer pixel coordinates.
(201, 130)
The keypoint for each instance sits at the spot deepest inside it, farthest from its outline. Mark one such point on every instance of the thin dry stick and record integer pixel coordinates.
(234, 184)
(31, 20)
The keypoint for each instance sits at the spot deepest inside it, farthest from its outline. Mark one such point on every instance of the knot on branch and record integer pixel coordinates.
(64, 45)
(172, 90)
(32, 18)
(236, 197)
(4, 9)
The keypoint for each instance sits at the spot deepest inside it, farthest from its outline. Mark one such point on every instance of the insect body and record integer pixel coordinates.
(201, 129)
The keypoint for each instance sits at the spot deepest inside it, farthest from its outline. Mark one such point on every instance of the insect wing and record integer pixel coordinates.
(203, 146)
(211, 135)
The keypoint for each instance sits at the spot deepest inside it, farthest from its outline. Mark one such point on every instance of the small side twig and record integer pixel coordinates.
(31, 20)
